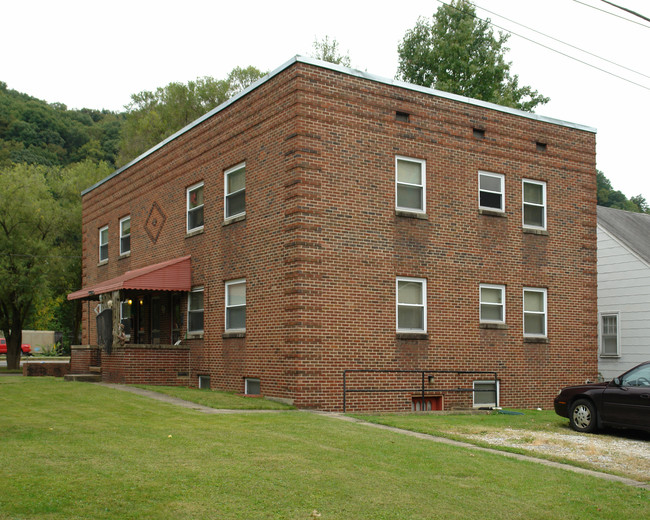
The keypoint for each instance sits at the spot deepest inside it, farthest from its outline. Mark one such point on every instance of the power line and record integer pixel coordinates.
(611, 14)
(627, 10)
(565, 43)
(489, 22)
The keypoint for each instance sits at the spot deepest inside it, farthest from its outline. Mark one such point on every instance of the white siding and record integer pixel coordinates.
(624, 287)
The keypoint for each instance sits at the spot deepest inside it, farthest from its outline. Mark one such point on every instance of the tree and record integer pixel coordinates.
(153, 116)
(327, 50)
(40, 240)
(459, 53)
(611, 198)
(29, 219)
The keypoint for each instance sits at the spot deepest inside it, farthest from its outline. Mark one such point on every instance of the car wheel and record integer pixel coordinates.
(582, 417)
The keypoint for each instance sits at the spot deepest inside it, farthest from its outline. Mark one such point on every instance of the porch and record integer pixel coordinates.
(135, 328)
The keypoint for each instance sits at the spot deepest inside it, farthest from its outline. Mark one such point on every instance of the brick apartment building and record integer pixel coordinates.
(327, 220)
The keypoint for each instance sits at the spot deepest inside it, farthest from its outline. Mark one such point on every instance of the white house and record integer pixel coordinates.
(623, 290)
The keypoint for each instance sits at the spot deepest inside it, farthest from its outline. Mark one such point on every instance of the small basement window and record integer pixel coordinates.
(204, 382)
(402, 116)
(486, 393)
(252, 386)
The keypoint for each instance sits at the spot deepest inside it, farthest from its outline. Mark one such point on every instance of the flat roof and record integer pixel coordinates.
(351, 72)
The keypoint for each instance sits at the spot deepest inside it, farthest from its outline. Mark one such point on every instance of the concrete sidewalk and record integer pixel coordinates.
(431, 438)
(182, 402)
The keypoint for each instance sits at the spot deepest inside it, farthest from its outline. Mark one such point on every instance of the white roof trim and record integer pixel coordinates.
(352, 72)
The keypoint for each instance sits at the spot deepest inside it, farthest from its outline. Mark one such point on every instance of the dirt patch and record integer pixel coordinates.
(627, 454)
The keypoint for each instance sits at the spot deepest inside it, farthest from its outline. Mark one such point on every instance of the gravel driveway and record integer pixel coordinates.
(625, 453)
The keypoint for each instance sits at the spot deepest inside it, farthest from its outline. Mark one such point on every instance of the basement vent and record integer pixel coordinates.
(402, 116)
(428, 404)
(253, 386)
(479, 133)
(204, 382)
(541, 147)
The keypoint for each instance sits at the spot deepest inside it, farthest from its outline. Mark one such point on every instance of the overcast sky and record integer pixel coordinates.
(96, 54)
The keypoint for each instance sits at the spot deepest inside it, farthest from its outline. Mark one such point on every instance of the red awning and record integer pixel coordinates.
(172, 275)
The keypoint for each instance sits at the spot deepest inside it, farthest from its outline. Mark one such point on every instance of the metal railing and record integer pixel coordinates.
(426, 376)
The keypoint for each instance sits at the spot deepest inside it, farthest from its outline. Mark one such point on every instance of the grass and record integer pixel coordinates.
(5, 370)
(214, 399)
(463, 427)
(73, 450)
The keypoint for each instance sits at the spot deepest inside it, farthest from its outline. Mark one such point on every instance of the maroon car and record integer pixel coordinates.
(623, 402)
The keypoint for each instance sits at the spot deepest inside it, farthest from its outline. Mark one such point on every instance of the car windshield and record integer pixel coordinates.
(639, 376)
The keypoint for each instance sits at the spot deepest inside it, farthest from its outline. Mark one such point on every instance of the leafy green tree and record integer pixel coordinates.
(459, 53)
(35, 132)
(29, 219)
(611, 198)
(40, 240)
(327, 50)
(154, 116)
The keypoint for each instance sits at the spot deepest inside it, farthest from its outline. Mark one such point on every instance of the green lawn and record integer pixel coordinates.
(74, 450)
(221, 400)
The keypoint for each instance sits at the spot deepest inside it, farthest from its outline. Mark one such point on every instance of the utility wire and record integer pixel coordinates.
(627, 10)
(612, 14)
(552, 49)
(565, 43)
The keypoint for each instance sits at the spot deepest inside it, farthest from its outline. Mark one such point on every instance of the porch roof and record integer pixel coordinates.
(172, 275)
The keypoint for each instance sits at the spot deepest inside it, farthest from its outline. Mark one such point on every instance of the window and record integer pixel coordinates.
(492, 303)
(103, 244)
(535, 312)
(486, 393)
(195, 311)
(195, 207)
(534, 204)
(235, 191)
(125, 235)
(236, 306)
(490, 191)
(410, 175)
(609, 338)
(252, 386)
(411, 305)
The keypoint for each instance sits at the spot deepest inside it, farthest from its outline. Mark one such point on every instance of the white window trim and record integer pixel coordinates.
(543, 205)
(488, 381)
(502, 288)
(545, 312)
(102, 260)
(128, 217)
(226, 194)
(228, 306)
(601, 315)
(195, 290)
(423, 281)
(502, 178)
(187, 206)
(423, 165)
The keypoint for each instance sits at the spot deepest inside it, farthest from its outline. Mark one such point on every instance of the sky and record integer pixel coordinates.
(96, 54)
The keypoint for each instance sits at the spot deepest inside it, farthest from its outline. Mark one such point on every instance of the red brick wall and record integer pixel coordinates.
(147, 364)
(82, 357)
(321, 244)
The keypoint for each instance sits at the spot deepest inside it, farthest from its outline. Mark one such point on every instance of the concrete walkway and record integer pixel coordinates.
(182, 402)
(432, 438)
